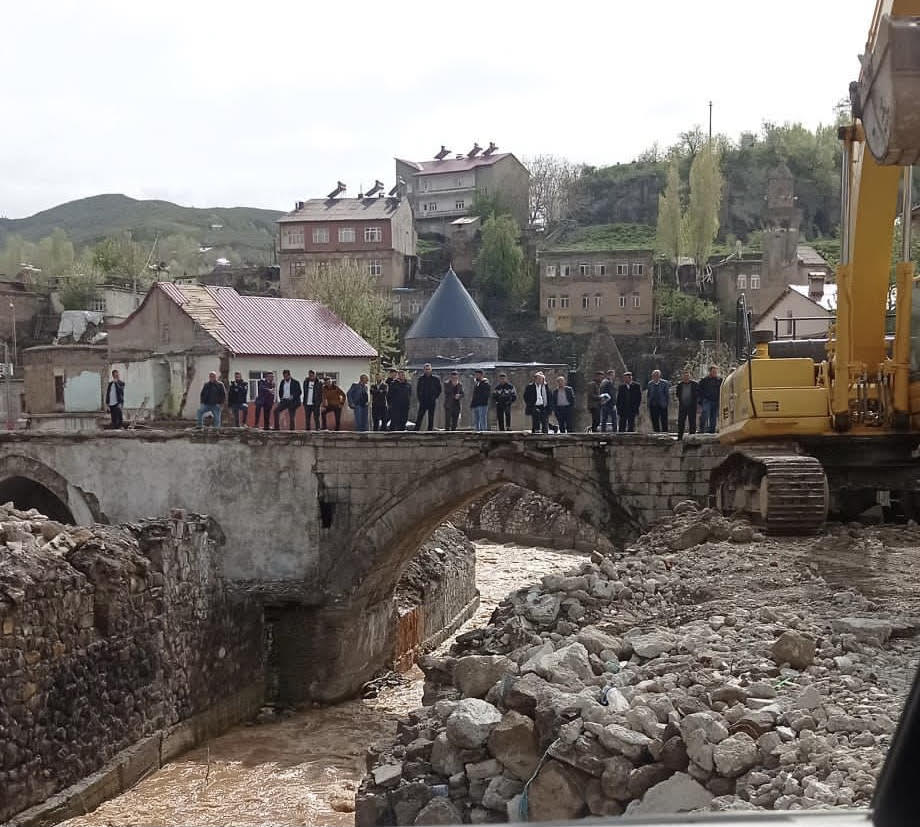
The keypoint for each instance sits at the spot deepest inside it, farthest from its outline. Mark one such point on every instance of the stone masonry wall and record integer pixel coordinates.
(436, 593)
(109, 635)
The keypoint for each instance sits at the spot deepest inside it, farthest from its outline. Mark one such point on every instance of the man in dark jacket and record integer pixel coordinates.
(505, 396)
(358, 400)
(265, 398)
(594, 400)
(115, 399)
(710, 387)
(536, 403)
(562, 401)
(479, 404)
(427, 390)
(237, 396)
(688, 397)
(453, 398)
(609, 405)
(379, 407)
(213, 395)
(657, 393)
(312, 399)
(629, 400)
(399, 397)
(288, 399)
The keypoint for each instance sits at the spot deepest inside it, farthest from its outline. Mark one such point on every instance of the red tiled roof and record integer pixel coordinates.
(265, 326)
(454, 164)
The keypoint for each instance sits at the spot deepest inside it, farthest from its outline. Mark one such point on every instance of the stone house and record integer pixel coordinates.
(443, 189)
(180, 333)
(376, 232)
(582, 287)
(64, 386)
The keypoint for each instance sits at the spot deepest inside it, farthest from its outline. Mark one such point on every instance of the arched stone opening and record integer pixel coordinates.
(25, 493)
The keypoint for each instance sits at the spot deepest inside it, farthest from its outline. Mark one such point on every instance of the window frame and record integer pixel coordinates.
(598, 297)
(584, 269)
(741, 281)
(585, 301)
(295, 243)
(320, 235)
(622, 301)
(550, 302)
(600, 269)
(622, 269)
(755, 281)
(565, 271)
(636, 301)
(459, 204)
(551, 271)
(375, 267)
(637, 269)
(373, 235)
(345, 231)
(563, 302)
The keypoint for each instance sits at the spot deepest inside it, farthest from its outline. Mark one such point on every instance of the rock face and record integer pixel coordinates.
(85, 669)
(726, 675)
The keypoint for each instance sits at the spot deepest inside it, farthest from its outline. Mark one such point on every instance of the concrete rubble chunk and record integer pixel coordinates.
(513, 742)
(471, 722)
(688, 537)
(446, 759)
(542, 609)
(615, 778)
(596, 641)
(563, 666)
(500, 791)
(794, 648)
(865, 629)
(387, 775)
(735, 755)
(653, 644)
(623, 741)
(475, 675)
(556, 794)
(438, 811)
(677, 794)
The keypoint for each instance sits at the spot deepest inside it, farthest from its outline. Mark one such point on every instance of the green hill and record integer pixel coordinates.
(249, 231)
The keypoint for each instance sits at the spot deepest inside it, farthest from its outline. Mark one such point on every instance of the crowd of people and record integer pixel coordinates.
(385, 404)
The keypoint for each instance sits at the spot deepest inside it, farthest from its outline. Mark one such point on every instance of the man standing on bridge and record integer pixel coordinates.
(399, 398)
(629, 400)
(213, 396)
(115, 399)
(657, 392)
(428, 389)
(288, 399)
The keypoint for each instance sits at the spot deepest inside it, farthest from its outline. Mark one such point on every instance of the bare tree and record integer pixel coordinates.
(551, 182)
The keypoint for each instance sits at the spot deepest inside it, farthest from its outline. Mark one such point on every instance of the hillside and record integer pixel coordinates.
(89, 220)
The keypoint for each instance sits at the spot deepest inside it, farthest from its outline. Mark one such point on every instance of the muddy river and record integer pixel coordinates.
(303, 769)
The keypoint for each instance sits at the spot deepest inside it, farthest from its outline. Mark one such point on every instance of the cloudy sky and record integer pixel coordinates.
(262, 103)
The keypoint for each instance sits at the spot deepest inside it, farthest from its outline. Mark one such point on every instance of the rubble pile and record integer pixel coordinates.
(706, 667)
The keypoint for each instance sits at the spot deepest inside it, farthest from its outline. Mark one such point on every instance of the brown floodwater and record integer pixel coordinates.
(304, 769)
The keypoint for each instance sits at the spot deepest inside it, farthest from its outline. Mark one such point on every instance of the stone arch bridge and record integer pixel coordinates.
(320, 525)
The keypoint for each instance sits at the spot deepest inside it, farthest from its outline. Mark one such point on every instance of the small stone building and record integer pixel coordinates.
(64, 385)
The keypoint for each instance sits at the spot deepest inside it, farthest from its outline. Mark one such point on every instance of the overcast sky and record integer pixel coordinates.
(262, 103)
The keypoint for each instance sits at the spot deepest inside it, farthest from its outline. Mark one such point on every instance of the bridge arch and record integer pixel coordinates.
(29, 483)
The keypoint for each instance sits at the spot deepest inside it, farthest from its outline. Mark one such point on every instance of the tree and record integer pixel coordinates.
(349, 290)
(701, 221)
(693, 316)
(668, 233)
(551, 181)
(500, 270)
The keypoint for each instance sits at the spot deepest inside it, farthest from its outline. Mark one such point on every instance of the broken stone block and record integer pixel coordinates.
(471, 722)
(794, 648)
(556, 794)
(677, 794)
(475, 675)
(513, 741)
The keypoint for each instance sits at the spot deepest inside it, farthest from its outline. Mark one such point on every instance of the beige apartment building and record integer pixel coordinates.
(581, 288)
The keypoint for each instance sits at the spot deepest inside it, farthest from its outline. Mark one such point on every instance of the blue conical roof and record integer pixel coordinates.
(451, 313)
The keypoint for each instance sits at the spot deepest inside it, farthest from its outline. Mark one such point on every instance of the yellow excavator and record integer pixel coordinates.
(841, 432)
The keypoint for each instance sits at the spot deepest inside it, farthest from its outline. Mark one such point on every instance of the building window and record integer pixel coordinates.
(292, 238)
(460, 184)
(320, 235)
(458, 204)
(59, 390)
(636, 298)
(597, 300)
(584, 269)
(638, 269)
(585, 302)
(563, 302)
(755, 282)
(374, 267)
(347, 235)
(328, 374)
(322, 266)
(372, 234)
(164, 334)
(622, 269)
(98, 304)
(551, 302)
(254, 377)
(600, 269)
(742, 281)
(565, 269)
(622, 301)
(298, 269)
(551, 271)
(432, 206)
(415, 308)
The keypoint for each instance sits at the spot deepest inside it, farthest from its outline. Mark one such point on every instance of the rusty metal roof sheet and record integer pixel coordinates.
(266, 326)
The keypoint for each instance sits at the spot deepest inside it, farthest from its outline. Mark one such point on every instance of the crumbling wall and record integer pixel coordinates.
(436, 593)
(107, 636)
(515, 514)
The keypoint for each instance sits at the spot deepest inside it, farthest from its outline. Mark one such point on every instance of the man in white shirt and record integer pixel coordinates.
(536, 403)
(312, 399)
(288, 398)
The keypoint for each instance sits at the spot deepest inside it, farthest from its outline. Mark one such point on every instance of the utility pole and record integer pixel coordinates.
(13, 320)
(710, 121)
(7, 370)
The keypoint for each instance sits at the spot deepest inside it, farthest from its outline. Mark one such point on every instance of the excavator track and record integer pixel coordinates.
(782, 490)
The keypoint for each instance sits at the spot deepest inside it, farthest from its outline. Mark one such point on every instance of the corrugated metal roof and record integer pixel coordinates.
(343, 209)
(265, 326)
(454, 164)
(451, 313)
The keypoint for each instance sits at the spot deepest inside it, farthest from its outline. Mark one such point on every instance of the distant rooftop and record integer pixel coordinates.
(343, 209)
(454, 164)
(603, 237)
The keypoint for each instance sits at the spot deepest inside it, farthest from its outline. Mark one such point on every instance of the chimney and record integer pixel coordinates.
(474, 151)
(339, 189)
(298, 205)
(490, 149)
(816, 286)
(443, 153)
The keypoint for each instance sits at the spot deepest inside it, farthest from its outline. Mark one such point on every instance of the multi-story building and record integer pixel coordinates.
(443, 189)
(376, 232)
(581, 288)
